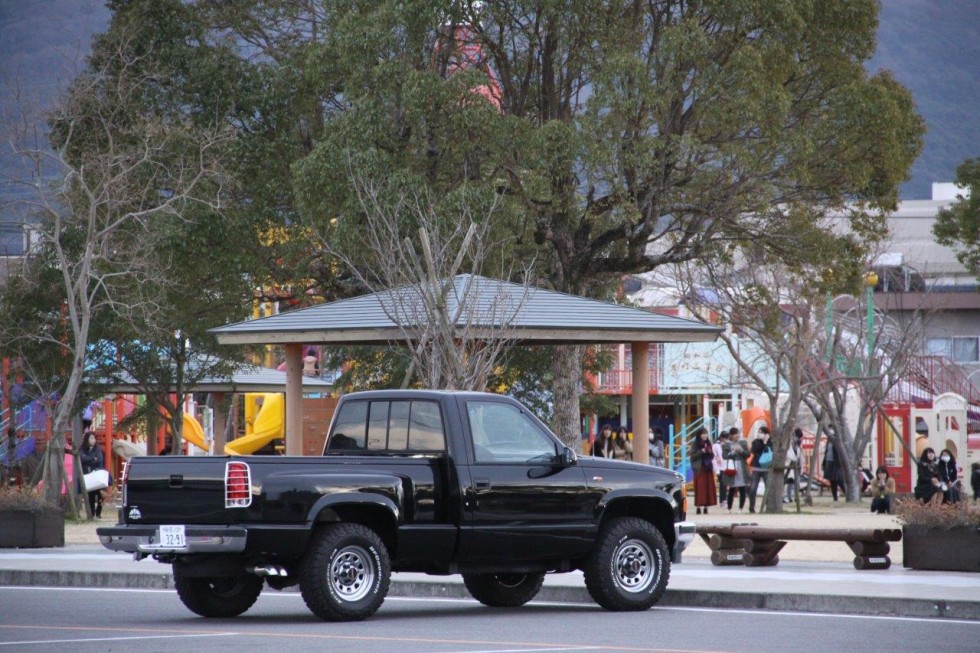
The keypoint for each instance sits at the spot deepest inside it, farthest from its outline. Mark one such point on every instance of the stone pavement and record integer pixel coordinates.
(811, 576)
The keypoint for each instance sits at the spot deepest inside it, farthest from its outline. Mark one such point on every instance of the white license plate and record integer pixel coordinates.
(173, 537)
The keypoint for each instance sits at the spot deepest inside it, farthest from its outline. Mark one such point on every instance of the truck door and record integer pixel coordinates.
(519, 501)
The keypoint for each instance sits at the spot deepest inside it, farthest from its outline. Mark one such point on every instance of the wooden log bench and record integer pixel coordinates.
(752, 545)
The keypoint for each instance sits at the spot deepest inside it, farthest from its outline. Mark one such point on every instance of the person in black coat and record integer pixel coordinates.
(833, 471)
(975, 480)
(92, 459)
(947, 477)
(928, 485)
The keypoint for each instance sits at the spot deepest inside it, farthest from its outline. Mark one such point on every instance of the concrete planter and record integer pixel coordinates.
(32, 528)
(955, 549)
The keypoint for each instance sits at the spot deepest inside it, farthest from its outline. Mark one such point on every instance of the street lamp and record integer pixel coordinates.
(870, 281)
(828, 315)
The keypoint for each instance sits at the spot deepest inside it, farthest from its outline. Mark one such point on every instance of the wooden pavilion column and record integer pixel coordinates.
(218, 424)
(641, 401)
(294, 400)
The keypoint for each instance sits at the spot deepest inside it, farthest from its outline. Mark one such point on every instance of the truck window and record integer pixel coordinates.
(502, 433)
(425, 431)
(395, 426)
(377, 438)
(349, 427)
(398, 426)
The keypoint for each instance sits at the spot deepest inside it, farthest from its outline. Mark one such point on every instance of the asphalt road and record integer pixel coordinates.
(39, 619)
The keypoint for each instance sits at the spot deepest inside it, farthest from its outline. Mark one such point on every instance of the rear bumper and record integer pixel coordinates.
(684, 533)
(199, 539)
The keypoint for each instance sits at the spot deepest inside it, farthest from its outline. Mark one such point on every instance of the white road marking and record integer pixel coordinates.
(533, 650)
(112, 639)
(436, 599)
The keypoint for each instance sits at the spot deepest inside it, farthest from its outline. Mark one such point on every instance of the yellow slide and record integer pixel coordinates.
(268, 427)
(193, 432)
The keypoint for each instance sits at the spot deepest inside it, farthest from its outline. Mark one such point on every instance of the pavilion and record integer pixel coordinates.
(494, 308)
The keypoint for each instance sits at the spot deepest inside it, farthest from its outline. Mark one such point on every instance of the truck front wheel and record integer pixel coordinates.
(503, 590)
(346, 573)
(220, 596)
(629, 567)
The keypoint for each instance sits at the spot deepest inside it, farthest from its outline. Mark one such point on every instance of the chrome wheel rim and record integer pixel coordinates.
(511, 580)
(633, 566)
(352, 573)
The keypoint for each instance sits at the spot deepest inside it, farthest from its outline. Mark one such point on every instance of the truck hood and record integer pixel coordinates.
(591, 463)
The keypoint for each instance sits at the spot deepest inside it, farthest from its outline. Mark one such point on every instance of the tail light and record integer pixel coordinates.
(238, 485)
(123, 479)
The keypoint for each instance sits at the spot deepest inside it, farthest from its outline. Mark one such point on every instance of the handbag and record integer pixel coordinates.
(96, 480)
(730, 468)
(766, 458)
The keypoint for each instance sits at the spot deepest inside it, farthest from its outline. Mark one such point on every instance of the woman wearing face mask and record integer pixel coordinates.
(928, 485)
(948, 482)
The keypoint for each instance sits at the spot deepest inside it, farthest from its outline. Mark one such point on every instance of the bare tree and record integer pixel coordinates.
(109, 172)
(773, 335)
(455, 324)
(855, 377)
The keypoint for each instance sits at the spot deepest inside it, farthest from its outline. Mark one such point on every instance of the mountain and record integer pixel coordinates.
(43, 45)
(933, 48)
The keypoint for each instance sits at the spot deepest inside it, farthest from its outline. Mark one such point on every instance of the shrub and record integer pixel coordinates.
(915, 514)
(21, 498)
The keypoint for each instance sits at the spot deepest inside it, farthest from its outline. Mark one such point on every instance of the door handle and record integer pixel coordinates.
(481, 482)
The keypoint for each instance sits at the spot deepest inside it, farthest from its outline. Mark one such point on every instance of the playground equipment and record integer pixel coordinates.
(908, 427)
(267, 426)
(192, 432)
(22, 450)
(125, 449)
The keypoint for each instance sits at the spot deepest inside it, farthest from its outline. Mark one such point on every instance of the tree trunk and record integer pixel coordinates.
(567, 367)
(852, 487)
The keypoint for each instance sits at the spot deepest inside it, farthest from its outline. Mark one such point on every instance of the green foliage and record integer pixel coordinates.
(627, 137)
(959, 225)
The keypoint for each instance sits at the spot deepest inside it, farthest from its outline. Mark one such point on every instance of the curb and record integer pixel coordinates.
(814, 603)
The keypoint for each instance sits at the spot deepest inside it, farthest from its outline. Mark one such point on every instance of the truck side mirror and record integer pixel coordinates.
(568, 457)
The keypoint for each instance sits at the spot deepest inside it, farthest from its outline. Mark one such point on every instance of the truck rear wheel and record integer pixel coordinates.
(629, 567)
(346, 573)
(503, 590)
(220, 596)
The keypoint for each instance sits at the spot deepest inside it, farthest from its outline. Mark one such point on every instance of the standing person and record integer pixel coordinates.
(928, 484)
(761, 462)
(833, 472)
(603, 445)
(719, 462)
(735, 454)
(92, 459)
(793, 456)
(657, 456)
(624, 446)
(702, 466)
(948, 482)
(310, 364)
(882, 489)
(975, 480)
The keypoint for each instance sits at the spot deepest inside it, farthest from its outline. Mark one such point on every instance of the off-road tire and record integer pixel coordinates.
(220, 596)
(629, 566)
(503, 590)
(345, 573)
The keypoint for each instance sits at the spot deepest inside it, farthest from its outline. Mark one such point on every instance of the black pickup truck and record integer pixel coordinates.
(422, 481)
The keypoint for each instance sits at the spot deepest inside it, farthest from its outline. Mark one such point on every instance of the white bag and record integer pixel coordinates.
(97, 480)
(762, 488)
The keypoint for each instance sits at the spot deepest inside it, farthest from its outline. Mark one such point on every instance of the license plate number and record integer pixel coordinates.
(173, 537)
